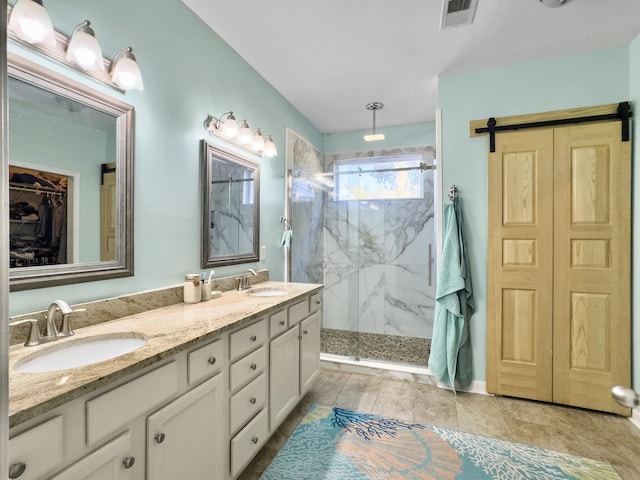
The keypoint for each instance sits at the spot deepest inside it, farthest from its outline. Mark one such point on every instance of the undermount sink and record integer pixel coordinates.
(79, 352)
(267, 292)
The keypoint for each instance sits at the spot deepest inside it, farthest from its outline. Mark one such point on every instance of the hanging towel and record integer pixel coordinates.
(450, 356)
(286, 238)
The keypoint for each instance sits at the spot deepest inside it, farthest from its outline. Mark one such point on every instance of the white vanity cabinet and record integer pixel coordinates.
(294, 358)
(202, 413)
(184, 438)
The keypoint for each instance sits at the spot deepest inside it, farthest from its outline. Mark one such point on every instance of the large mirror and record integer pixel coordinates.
(231, 207)
(70, 180)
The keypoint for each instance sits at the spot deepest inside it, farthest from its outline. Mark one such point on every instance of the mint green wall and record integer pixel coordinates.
(634, 96)
(400, 136)
(189, 72)
(593, 78)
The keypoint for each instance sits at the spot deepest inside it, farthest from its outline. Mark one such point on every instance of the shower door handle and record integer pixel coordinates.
(430, 264)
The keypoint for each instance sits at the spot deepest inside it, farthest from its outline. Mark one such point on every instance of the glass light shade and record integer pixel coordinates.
(84, 49)
(30, 22)
(230, 127)
(270, 148)
(245, 136)
(125, 71)
(257, 144)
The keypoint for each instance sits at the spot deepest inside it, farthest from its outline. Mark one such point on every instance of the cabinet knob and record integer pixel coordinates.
(282, 323)
(211, 360)
(128, 462)
(317, 302)
(253, 338)
(254, 439)
(253, 400)
(305, 332)
(253, 366)
(159, 438)
(17, 469)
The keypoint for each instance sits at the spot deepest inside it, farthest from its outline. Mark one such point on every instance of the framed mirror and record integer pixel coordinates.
(70, 180)
(231, 207)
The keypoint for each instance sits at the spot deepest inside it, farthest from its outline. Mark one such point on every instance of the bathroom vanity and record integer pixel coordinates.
(212, 383)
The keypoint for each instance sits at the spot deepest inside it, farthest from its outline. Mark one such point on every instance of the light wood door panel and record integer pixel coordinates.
(592, 260)
(519, 300)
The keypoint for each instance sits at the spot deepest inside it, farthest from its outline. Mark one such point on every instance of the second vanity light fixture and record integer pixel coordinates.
(30, 23)
(226, 126)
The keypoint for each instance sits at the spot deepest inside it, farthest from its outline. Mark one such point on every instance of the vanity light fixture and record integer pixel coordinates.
(227, 127)
(125, 71)
(30, 21)
(270, 147)
(84, 48)
(374, 137)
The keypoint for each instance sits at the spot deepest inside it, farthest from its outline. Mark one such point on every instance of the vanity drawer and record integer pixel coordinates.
(114, 409)
(315, 302)
(298, 312)
(248, 441)
(247, 402)
(205, 361)
(277, 323)
(247, 339)
(247, 368)
(39, 449)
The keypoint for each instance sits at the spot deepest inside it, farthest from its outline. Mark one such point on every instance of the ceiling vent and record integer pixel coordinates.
(457, 12)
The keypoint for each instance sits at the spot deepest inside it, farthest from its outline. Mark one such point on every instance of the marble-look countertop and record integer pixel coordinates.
(168, 329)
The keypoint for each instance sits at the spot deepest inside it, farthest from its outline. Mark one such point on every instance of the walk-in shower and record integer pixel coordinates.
(363, 225)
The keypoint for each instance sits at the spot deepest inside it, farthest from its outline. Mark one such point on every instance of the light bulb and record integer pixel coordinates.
(245, 136)
(257, 144)
(84, 49)
(125, 71)
(270, 148)
(230, 127)
(30, 22)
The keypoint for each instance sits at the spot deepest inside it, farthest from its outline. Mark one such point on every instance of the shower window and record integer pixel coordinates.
(379, 178)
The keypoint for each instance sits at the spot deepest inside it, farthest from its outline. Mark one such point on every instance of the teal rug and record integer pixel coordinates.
(336, 444)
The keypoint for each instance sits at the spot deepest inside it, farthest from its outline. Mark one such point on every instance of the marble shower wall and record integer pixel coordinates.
(371, 255)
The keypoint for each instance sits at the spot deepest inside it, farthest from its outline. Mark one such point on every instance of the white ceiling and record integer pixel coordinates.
(329, 58)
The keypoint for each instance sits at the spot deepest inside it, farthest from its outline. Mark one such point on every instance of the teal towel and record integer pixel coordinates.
(450, 356)
(286, 238)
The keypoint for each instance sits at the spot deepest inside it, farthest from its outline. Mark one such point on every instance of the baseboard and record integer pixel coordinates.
(475, 387)
(635, 417)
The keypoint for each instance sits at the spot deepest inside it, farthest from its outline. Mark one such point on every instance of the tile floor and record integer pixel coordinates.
(579, 432)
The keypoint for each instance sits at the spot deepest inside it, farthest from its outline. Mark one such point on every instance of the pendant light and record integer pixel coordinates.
(84, 49)
(125, 71)
(374, 107)
(30, 22)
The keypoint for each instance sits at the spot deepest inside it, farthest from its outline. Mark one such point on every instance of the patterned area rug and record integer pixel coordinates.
(336, 444)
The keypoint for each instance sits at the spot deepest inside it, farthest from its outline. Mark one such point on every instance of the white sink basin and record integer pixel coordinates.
(78, 352)
(267, 292)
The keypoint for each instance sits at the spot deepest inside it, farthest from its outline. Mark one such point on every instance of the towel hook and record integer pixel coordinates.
(453, 193)
(286, 224)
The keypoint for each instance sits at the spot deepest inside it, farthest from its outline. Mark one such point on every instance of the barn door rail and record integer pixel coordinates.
(623, 113)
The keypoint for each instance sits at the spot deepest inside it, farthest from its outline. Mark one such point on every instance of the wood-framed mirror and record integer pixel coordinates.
(70, 180)
(230, 207)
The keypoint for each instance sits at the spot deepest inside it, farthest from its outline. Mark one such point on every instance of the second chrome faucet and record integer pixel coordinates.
(243, 282)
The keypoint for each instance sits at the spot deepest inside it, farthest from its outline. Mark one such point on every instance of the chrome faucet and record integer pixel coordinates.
(65, 330)
(243, 282)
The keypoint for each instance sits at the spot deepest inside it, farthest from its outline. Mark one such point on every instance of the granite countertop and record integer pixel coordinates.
(168, 329)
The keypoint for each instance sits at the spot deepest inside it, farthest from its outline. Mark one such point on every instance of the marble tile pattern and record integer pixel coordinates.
(232, 206)
(104, 310)
(168, 329)
(372, 256)
(601, 436)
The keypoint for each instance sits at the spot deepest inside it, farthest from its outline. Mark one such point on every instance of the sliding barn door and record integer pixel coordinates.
(520, 265)
(558, 299)
(592, 265)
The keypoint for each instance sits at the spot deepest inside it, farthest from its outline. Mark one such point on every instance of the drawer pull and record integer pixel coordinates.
(253, 400)
(281, 323)
(254, 440)
(128, 462)
(159, 438)
(253, 366)
(17, 469)
(211, 360)
(253, 338)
